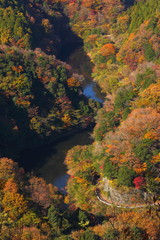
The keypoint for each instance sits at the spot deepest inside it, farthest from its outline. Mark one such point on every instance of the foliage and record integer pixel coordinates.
(29, 206)
(111, 234)
(14, 28)
(30, 81)
(41, 100)
(110, 170)
(144, 150)
(83, 220)
(106, 121)
(139, 182)
(144, 80)
(138, 233)
(88, 235)
(54, 219)
(149, 97)
(123, 44)
(125, 176)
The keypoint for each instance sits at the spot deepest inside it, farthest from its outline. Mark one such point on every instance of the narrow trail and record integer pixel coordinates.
(97, 191)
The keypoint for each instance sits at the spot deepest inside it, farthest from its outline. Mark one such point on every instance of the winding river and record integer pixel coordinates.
(47, 162)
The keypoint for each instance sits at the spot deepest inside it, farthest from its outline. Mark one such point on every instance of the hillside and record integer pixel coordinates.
(113, 192)
(41, 96)
(123, 162)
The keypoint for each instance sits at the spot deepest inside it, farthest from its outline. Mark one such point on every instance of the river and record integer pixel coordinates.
(48, 162)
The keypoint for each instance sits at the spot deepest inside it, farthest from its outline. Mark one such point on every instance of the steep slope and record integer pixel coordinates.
(123, 43)
(41, 97)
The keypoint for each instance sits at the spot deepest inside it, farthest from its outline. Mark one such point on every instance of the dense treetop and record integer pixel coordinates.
(41, 100)
(122, 40)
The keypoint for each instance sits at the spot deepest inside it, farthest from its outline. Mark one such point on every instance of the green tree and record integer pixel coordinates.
(111, 234)
(58, 222)
(145, 79)
(54, 219)
(83, 220)
(110, 169)
(138, 234)
(89, 235)
(125, 176)
(144, 150)
(149, 52)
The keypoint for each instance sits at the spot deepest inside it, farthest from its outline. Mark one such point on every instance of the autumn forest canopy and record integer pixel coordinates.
(42, 100)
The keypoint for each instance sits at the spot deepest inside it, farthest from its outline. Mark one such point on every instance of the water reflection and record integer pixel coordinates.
(53, 170)
(82, 64)
(89, 92)
(48, 162)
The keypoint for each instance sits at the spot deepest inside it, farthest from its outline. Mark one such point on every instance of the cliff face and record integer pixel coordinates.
(127, 198)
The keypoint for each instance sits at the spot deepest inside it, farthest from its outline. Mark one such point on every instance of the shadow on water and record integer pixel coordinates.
(82, 64)
(48, 161)
(52, 168)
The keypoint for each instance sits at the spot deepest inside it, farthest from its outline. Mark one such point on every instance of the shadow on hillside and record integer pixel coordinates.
(128, 3)
(59, 40)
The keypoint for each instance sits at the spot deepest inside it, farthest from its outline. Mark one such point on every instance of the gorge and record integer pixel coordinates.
(80, 113)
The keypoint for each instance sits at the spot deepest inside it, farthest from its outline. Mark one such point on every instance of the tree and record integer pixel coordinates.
(110, 169)
(57, 221)
(108, 50)
(83, 220)
(111, 234)
(10, 186)
(139, 182)
(8, 168)
(125, 176)
(88, 235)
(40, 192)
(144, 80)
(144, 150)
(149, 52)
(138, 233)
(14, 204)
(150, 97)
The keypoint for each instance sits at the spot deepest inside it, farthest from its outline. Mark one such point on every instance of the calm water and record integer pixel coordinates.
(47, 162)
(81, 63)
(53, 169)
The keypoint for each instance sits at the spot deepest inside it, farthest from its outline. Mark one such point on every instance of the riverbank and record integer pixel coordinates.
(47, 160)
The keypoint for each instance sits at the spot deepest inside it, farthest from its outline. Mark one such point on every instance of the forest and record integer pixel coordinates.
(113, 191)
